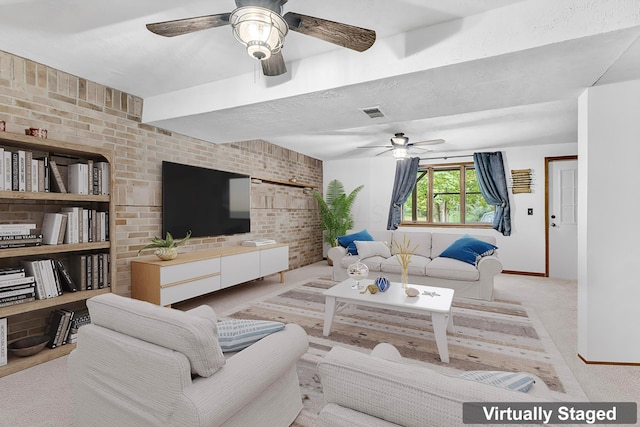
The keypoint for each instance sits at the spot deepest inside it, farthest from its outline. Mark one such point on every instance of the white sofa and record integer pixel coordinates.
(138, 364)
(426, 267)
(382, 389)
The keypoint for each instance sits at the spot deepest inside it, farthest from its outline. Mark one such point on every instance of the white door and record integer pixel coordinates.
(563, 219)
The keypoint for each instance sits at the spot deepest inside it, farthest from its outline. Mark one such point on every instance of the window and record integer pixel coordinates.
(447, 195)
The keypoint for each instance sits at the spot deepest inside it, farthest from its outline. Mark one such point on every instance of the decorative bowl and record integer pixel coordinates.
(28, 346)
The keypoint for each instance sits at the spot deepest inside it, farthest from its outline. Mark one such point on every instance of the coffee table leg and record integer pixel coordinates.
(440, 321)
(329, 312)
(450, 323)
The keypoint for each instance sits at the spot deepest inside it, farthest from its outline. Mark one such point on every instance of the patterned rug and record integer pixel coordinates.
(488, 335)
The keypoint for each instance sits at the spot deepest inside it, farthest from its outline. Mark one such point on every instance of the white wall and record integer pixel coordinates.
(523, 251)
(608, 291)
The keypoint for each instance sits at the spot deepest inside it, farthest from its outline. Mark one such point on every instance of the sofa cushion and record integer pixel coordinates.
(194, 336)
(421, 239)
(347, 241)
(236, 334)
(368, 249)
(448, 268)
(417, 266)
(468, 249)
(517, 381)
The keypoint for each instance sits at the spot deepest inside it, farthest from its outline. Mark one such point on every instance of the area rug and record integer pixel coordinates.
(488, 335)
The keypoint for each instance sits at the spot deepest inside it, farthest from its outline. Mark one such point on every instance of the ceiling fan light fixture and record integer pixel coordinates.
(261, 30)
(399, 139)
(399, 153)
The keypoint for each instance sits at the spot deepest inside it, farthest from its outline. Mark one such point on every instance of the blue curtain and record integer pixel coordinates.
(493, 186)
(406, 173)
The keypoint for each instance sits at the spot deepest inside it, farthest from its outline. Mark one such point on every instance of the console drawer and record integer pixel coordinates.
(192, 270)
(179, 291)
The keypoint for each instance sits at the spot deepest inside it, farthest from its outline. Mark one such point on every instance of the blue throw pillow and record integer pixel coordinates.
(347, 241)
(468, 249)
(236, 334)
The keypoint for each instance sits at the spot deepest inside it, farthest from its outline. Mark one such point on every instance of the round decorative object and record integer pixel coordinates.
(382, 283)
(28, 346)
(412, 292)
(357, 271)
(166, 254)
(372, 289)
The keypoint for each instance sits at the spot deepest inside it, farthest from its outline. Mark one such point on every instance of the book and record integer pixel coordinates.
(11, 273)
(32, 268)
(7, 170)
(22, 170)
(51, 225)
(78, 178)
(21, 244)
(58, 183)
(46, 173)
(66, 280)
(54, 327)
(63, 229)
(78, 271)
(64, 329)
(35, 179)
(17, 237)
(28, 184)
(72, 232)
(42, 175)
(3, 341)
(104, 178)
(15, 185)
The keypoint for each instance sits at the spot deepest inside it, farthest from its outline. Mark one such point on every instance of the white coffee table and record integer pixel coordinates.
(438, 304)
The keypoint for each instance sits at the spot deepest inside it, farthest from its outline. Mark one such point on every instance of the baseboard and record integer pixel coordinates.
(590, 362)
(524, 273)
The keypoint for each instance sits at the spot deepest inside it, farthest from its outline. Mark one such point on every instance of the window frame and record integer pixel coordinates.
(429, 170)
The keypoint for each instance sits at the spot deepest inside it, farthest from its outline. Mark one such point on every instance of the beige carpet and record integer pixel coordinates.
(496, 335)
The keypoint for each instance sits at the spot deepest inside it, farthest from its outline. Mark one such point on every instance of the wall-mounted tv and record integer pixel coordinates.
(207, 202)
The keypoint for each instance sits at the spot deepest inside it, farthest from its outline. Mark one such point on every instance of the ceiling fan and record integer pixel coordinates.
(261, 27)
(400, 145)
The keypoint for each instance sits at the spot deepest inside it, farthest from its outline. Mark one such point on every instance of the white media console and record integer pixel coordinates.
(193, 274)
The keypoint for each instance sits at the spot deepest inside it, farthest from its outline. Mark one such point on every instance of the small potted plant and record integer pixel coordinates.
(166, 248)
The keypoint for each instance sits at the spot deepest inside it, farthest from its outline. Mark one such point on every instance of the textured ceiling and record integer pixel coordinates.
(478, 74)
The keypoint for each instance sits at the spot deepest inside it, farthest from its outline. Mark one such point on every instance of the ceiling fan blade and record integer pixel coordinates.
(349, 36)
(376, 146)
(179, 27)
(274, 65)
(429, 142)
(383, 152)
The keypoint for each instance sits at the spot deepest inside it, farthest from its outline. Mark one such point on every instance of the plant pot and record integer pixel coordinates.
(166, 254)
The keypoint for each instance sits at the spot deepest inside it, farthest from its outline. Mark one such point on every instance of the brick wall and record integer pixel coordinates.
(76, 110)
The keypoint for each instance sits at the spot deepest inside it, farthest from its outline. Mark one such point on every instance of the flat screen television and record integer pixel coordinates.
(207, 202)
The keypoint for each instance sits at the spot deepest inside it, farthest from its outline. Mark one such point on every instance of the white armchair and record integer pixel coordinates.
(382, 389)
(145, 365)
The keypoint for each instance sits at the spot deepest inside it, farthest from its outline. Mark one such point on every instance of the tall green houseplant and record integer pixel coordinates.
(335, 210)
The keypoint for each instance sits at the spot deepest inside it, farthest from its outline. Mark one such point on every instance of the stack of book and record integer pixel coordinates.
(92, 271)
(19, 236)
(85, 225)
(80, 318)
(51, 277)
(23, 170)
(63, 326)
(16, 287)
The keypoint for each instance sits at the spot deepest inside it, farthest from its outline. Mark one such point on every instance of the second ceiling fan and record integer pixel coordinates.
(261, 27)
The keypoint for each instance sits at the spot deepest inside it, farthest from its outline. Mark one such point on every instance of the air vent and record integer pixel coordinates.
(373, 112)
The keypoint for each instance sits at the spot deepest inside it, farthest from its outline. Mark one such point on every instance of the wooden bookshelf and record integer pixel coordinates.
(36, 204)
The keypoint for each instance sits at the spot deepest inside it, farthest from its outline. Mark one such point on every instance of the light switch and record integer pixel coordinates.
(530, 211)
